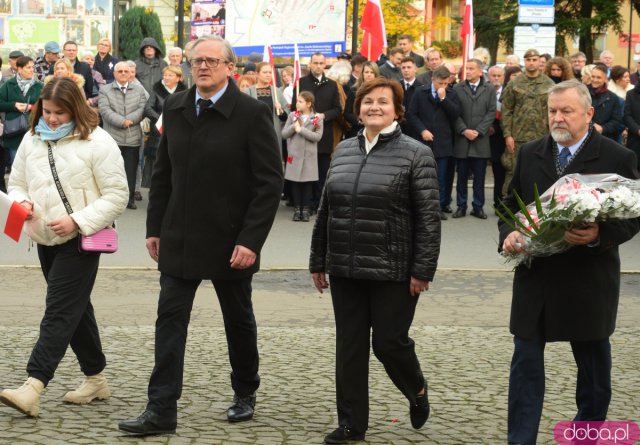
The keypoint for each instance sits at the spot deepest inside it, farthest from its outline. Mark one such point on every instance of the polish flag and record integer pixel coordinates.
(467, 37)
(267, 56)
(159, 124)
(374, 37)
(12, 217)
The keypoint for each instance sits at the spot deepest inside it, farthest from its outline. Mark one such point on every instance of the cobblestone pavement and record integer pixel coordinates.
(460, 331)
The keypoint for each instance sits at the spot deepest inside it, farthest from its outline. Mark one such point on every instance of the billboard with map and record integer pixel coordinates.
(249, 25)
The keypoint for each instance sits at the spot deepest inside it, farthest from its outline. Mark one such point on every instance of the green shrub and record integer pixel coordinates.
(136, 24)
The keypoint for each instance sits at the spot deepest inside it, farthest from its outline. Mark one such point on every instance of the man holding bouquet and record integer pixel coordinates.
(570, 296)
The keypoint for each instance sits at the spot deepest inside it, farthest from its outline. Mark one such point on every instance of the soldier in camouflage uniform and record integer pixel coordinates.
(524, 111)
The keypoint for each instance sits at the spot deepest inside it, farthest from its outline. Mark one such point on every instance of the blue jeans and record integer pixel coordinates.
(446, 170)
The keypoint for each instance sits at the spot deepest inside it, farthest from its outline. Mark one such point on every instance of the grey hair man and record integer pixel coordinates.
(201, 164)
(175, 56)
(570, 296)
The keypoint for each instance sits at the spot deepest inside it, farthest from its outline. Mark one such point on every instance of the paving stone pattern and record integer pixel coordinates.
(462, 340)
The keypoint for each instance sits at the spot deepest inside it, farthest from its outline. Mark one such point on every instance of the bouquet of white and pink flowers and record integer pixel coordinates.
(574, 200)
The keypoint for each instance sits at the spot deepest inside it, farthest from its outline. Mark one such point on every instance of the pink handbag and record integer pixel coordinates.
(103, 241)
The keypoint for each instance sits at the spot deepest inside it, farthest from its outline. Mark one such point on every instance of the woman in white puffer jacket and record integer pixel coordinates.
(91, 173)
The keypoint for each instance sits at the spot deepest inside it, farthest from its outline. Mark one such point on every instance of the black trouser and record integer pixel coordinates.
(174, 311)
(301, 193)
(386, 309)
(131, 156)
(68, 316)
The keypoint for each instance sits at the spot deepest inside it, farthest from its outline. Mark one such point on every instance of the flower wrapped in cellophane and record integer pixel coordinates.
(574, 200)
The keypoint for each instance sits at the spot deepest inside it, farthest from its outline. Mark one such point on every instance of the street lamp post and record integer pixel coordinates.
(354, 29)
(181, 23)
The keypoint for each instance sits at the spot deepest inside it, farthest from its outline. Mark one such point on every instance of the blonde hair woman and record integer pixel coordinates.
(104, 61)
(63, 68)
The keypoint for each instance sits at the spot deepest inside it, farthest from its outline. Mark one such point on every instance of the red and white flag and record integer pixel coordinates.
(267, 56)
(297, 71)
(467, 37)
(159, 124)
(12, 217)
(374, 37)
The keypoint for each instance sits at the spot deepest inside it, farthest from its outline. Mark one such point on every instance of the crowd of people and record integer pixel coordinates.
(373, 148)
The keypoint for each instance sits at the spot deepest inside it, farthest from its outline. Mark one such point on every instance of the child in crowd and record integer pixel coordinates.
(303, 131)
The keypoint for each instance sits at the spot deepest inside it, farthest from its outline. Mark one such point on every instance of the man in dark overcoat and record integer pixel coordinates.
(570, 296)
(432, 113)
(214, 194)
(327, 104)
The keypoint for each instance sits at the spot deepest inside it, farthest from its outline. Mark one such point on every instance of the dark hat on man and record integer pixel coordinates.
(255, 57)
(249, 66)
(15, 54)
(532, 52)
(52, 47)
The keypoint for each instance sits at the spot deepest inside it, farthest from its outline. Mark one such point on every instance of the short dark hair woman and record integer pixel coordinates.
(91, 173)
(377, 236)
(17, 96)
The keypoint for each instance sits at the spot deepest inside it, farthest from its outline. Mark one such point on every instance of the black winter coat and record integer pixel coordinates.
(215, 185)
(427, 113)
(153, 110)
(574, 294)
(379, 214)
(608, 113)
(327, 102)
(632, 120)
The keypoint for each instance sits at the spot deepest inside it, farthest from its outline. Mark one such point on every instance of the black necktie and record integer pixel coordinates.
(124, 90)
(565, 154)
(204, 103)
(406, 86)
(473, 89)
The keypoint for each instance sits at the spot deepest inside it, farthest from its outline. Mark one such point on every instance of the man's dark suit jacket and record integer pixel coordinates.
(408, 94)
(573, 294)
(427, 113)
(327, 102)
(216, 183)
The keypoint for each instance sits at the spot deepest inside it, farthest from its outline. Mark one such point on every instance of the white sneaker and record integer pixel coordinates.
(25, 399)
(93, 387)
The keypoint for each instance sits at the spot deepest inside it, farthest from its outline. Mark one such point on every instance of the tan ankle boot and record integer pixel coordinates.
(25, 399)
(93, 387)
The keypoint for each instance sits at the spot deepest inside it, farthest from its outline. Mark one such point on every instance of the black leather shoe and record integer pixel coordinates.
(419, 413)
(242, 408)
(447, 209)
(443, 216)
(343, 434)
(479, 213)
(459, 213)
(148, 424)
(132, 205)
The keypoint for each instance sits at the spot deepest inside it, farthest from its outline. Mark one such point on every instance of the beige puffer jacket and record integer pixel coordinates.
(92, 176)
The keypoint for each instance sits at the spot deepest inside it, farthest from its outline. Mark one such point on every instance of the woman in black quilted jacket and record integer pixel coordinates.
(377, 236)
